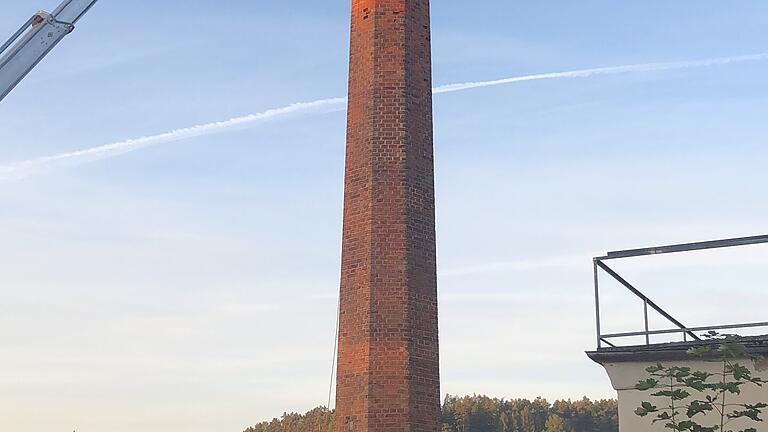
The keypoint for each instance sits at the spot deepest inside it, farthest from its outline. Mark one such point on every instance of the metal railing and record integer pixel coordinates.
(687, 332)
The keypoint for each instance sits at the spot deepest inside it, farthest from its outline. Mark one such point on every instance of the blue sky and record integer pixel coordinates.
(191, 285)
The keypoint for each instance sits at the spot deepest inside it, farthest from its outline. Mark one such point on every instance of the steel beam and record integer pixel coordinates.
(686, 247)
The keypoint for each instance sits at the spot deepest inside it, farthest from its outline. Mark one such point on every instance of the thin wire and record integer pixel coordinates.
(335, 352)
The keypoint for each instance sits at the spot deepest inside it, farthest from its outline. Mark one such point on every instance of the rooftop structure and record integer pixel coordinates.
(627, 364)
(686, 332)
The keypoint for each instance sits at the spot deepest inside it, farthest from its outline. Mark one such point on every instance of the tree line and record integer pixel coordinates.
(483, 414)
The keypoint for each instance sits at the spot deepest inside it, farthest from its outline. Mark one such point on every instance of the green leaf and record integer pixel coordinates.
(662, 417)
(698, 407)
(751, 413)
(699, 428)
(733, 387)
(699, 351)
(739, 372)
(646, 385)
(680, 394)
(646, 408)
(702, 376)
(679, 373)
(732, 348)
(697, 381)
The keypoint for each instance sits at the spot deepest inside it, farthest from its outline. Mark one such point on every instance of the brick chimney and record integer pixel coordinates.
(388, 371)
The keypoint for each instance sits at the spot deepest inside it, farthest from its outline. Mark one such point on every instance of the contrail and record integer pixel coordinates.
(23, 169)
(586, 73)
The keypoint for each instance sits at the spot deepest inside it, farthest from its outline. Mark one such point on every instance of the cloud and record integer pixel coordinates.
(23, 169)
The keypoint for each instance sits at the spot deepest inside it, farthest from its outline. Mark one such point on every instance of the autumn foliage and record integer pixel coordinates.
(483, 414)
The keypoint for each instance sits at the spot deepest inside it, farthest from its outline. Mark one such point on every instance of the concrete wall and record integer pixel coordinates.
(625, 375)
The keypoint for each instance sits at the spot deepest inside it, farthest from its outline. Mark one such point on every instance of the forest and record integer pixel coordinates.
(483, 414)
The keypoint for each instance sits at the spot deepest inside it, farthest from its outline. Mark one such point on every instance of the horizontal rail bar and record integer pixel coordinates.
(686, 247)
(684, 330)
(642, 296)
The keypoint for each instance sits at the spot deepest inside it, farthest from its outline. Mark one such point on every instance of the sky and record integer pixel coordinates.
(188, 282)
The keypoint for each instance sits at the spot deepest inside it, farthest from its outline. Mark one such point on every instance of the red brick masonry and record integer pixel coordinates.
(388, 373)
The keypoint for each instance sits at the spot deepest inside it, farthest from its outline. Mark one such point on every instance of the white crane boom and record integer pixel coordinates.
(35, 39)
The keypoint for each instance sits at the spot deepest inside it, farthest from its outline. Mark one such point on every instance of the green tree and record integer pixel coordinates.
(555, 423)
(479, 413)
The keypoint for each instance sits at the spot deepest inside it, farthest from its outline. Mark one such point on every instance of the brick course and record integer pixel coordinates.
(388, 370)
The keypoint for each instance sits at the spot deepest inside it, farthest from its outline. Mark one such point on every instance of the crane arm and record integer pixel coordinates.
(35, 39)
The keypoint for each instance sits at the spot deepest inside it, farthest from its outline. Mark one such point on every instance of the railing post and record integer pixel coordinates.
(647, 328)
(597, 304)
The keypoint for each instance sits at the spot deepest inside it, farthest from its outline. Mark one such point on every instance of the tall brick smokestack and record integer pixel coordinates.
(388, 371)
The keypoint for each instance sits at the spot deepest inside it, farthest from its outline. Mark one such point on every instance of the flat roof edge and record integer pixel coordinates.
(756, 345)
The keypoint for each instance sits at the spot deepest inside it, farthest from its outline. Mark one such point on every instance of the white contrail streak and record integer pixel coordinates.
(586, 73)
(23, 169)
